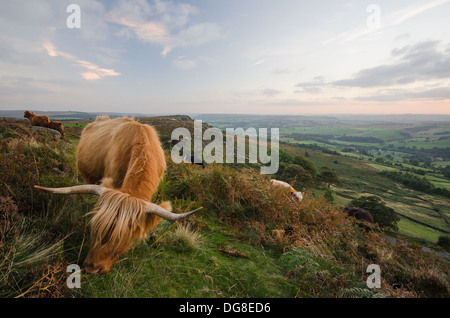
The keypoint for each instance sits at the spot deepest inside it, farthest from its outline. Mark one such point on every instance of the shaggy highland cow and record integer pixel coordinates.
(127, 159)
(37, 120)
(56, 125)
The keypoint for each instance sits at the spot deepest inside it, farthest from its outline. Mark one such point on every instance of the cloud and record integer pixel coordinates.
(418, 71)
(313, 87)
(94, 27)
(393, 95)
(94, 72)
(162, 23)
(150, 32)
(318, 80)
(388, 20)
(423, 61)
(197, 34)
(257, 63)
(410, 12)
(312, 90)
(11, 86)
(21, 24)
(271, 92)
(174, 14)
(184, 64)
(26, 25)
(279, 71)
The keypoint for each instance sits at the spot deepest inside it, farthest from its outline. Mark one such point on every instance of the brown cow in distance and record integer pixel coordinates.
(56, 125)
(37, 120)
(127, 159)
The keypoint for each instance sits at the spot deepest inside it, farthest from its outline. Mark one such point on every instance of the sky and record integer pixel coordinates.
(226, 56)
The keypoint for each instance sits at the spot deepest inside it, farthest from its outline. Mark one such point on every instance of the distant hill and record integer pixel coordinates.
(334, 119)
(247, 119)
(67, 115)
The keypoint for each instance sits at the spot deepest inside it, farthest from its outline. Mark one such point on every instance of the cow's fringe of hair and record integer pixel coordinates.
(118, 218)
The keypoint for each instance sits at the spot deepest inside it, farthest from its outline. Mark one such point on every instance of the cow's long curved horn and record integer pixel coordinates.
(81, 189)
(159, 211)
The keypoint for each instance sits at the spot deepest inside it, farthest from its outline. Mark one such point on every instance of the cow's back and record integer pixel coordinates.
(97, 145)
(278, 183)
(112, 148)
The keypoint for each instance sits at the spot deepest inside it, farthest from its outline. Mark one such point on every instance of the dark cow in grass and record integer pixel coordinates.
(365, 218)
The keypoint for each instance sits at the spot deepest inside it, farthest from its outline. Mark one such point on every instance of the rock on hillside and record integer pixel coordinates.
(44, 130)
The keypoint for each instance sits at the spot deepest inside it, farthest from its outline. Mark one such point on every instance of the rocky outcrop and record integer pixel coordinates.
(46, 131)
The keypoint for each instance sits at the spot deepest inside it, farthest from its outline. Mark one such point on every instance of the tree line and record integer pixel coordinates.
(415, 182)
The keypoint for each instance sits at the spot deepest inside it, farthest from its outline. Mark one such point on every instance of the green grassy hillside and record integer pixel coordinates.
(247, 241)
(361, 177)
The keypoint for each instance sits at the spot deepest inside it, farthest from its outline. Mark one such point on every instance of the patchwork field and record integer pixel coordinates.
(358, 148)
